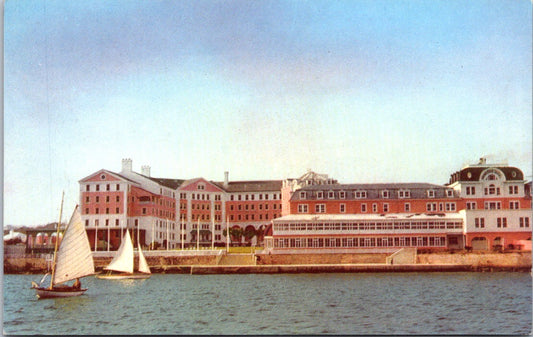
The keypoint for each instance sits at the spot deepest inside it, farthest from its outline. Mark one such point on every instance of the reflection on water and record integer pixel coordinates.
(382, 303)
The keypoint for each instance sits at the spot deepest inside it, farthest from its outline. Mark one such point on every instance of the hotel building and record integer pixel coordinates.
(175, 213)
(484, 206)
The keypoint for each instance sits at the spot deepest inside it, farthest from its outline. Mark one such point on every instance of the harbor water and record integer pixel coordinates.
(355, 303)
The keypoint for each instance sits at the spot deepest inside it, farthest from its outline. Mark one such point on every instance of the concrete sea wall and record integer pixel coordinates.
(304, 263)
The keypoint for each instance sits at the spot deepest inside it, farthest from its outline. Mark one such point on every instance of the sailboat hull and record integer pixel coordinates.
(122, 276)
(58, 292)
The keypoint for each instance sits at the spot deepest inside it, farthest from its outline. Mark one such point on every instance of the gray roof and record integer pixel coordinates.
(252, 186)
(373, 191)
(170, 183)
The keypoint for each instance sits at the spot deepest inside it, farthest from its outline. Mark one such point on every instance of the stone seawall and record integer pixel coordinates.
(300, 263)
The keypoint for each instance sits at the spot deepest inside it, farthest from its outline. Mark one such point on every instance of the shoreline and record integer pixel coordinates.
(301, 269)
(304, 263)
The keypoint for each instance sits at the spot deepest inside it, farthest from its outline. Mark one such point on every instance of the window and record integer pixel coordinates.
(431, 207)
(404, 194)
(375, 208)
(302, 195)
(513, 189)
(449, 193)
(87, 188)
(470, 190)
(320, 208)
(385, 194)
(385, 207)
(524, 222)
(493, 205)
(331, 195)
(514, 204)
(492, 190)
(98, 187)
(201, 186)
(303, 208)
(342, 195)
(479, 222)
(450, 206)
(360, 194)
(431, 194)
(343, 208)
(471, 205)
(407, 207)
(501, 222)
(363, 208)
(320, 195)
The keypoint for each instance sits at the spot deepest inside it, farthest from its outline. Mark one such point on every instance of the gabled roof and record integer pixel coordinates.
(109, 172)
(252, 186)
(213, 187)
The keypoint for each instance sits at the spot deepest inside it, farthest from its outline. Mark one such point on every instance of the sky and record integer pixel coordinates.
(364, 91)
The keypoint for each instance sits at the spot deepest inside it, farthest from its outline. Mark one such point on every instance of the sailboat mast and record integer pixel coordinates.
(57, 241)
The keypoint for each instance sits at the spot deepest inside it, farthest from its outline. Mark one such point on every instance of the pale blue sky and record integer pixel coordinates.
(365, 91)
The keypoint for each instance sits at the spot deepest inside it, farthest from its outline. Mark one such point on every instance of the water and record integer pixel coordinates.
(380, 303)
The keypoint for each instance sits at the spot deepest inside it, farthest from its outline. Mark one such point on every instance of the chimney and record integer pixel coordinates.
(226, 181)
(126, 165)
(145, 170)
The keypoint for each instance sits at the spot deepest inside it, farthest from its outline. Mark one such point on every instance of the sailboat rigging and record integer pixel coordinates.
(122, 265)
(72, 260)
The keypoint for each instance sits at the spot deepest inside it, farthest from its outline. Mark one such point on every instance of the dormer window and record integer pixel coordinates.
(449, 193)
(331, 195)
(492, 175)
(431, 193)
(303, 195)
(360, 194)
(385, 194)
(404, 194)
(342, 195)
(320, 195)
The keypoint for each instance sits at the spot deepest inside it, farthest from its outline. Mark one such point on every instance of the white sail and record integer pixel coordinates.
(123, 261)
(143, 265)
(74, 257)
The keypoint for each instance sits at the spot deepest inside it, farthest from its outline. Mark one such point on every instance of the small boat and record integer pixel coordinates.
(73, 260)
(122, 265)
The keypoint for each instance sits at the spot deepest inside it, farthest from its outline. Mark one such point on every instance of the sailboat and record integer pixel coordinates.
(122, 265)
(73, 260)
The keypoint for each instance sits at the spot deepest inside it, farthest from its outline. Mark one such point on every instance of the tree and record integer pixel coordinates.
(249, 233)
